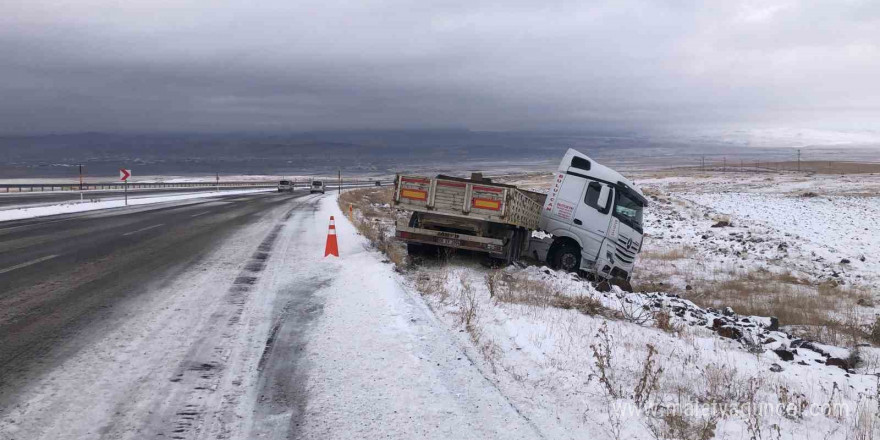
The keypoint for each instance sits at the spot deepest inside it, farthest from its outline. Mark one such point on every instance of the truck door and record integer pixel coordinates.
(592, 216)
(562, 201)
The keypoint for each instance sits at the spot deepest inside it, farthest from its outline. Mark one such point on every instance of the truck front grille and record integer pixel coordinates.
(622, 253)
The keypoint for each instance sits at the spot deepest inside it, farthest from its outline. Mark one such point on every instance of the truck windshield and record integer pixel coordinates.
(285, 182)
(317, 183)
(628, 210)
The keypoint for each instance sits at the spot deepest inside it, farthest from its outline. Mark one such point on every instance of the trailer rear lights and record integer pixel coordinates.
(402, 234)
(493, 205)
(414, 194)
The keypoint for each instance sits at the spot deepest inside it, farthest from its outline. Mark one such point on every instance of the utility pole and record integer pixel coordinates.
(218, 182)
(724, 165)
(339, 177)
(799, 160)
(703, 164)
(80, 183)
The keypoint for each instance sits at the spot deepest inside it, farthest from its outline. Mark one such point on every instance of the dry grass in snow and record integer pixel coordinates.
(583, 364)
(572, 359)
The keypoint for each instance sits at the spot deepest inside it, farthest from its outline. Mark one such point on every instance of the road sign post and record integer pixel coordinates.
(80, 183)
(124, 174)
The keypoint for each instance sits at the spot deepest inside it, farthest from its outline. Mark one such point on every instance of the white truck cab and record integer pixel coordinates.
(595, 217)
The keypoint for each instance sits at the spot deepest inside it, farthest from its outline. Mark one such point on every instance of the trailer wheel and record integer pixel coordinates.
(414, 220)
(415, 249)
(567, 258)
(420, 249)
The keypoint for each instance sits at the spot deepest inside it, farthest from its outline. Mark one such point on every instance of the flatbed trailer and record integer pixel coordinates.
(473, 214)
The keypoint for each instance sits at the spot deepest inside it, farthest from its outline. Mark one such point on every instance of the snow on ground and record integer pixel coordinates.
(810, 232)
(264, 337)
(545, 338)
(73, 207)
(382, 367)
(540, 335)
(452, 349)
(123, 373)
(832, 229)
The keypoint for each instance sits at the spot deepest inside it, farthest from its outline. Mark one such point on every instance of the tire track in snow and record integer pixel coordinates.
(201, 374)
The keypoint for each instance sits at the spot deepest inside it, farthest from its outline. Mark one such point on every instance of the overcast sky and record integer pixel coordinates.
(219, 65)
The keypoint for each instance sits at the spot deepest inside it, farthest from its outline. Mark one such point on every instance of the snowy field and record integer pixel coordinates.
(696, 355)
(821, 230)
(746, 323)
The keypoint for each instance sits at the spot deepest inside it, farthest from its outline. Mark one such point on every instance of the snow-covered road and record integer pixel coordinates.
(263, 337)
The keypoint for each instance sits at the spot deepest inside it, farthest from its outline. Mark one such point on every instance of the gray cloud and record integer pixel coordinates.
(207, 65)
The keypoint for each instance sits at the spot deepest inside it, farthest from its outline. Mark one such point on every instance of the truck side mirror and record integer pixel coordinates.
(602, 203)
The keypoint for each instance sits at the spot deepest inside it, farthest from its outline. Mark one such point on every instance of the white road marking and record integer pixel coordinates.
(144, 229)
(29, 263)
(201, 213)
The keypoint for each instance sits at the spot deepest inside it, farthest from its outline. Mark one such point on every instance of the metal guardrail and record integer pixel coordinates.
(119, 186)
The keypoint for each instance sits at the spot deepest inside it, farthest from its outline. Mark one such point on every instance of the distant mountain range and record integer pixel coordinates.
(355, 152)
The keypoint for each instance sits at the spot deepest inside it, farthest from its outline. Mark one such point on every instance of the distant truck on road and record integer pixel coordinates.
(591, 219)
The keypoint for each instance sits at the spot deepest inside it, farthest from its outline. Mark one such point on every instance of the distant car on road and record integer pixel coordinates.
(317, 187)
(285, 185)
(378, 183)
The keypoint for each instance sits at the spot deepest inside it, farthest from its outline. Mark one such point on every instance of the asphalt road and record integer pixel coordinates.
(61, 275)
(220, 318)
(9, 200)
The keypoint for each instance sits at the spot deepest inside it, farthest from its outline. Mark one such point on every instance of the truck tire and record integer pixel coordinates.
(420, 249)
(516, 242)
(415, 249)
(567, 258)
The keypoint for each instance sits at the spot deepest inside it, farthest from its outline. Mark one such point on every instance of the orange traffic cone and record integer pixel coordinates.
(332, 247)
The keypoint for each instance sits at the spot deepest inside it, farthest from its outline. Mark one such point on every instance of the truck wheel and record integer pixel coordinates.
(516, 242)
(414, 220)
(567, 258)
(415, 249)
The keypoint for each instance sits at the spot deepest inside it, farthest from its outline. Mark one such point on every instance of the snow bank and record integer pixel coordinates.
(69, 208)
(546, 359)
(382, 367)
